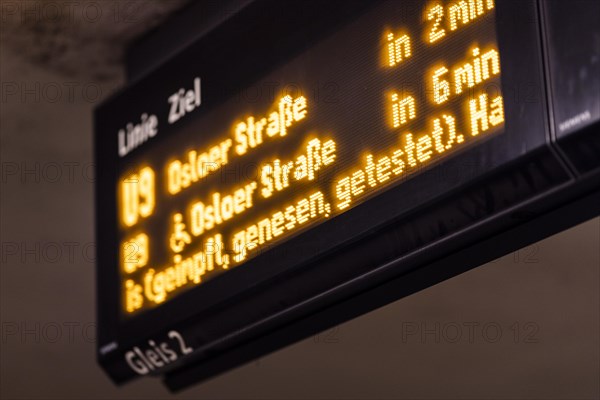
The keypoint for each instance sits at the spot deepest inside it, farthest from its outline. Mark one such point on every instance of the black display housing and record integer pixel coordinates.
(499, 195)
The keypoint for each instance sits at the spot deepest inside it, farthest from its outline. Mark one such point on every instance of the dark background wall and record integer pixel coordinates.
(523, 327)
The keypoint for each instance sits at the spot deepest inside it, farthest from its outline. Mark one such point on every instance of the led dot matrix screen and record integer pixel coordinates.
(393, 92)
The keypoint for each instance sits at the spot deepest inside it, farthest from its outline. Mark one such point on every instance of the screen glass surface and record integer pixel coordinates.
(399, 89)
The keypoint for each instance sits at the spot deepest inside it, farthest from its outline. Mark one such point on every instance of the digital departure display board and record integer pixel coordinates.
(400, 94)
(277, 167)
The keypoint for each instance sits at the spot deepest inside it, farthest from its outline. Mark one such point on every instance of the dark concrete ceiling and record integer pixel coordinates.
(79, 39)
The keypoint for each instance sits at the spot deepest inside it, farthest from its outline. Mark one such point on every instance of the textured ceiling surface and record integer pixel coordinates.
(79, 39)
(523, 327)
